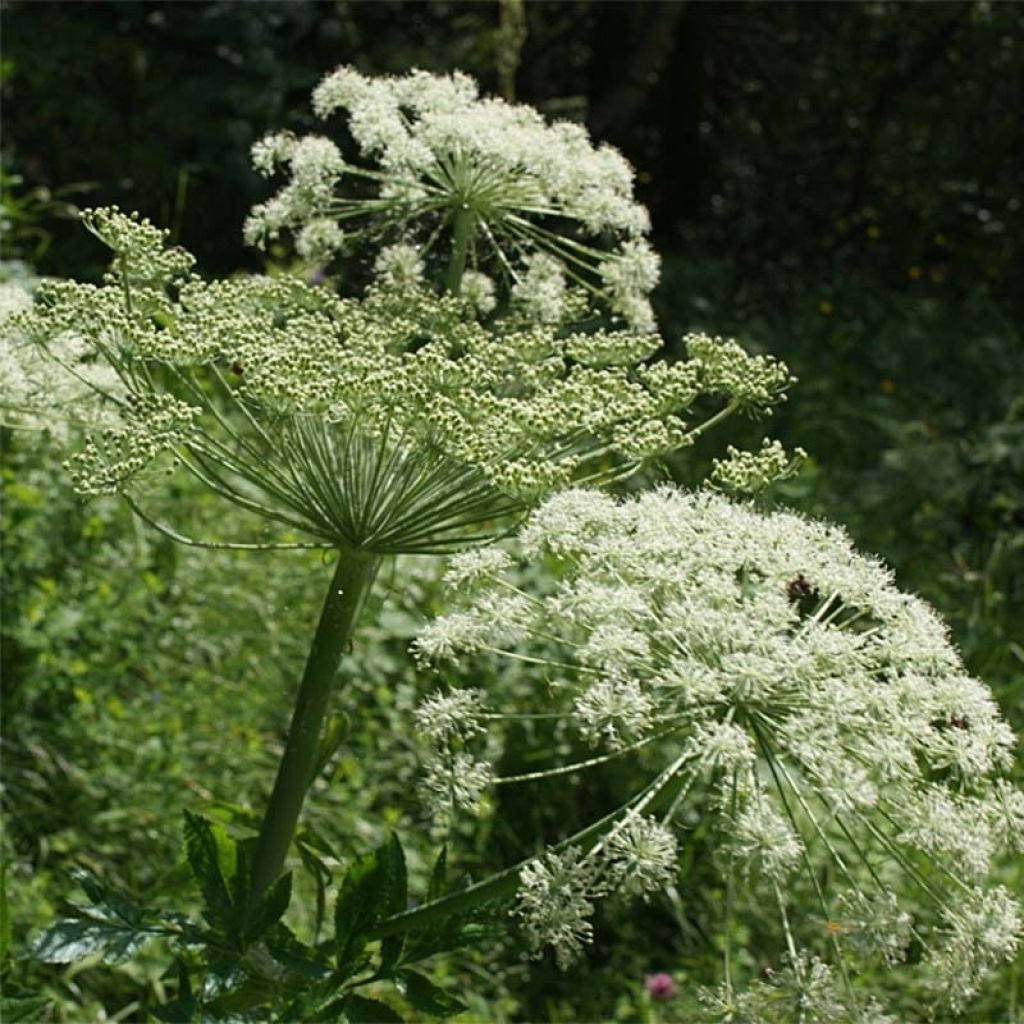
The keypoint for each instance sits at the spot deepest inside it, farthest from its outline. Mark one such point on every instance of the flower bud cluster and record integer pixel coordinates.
(743, 472)
(150, 426)
(754, 382)
(282, 378)
(145, 258)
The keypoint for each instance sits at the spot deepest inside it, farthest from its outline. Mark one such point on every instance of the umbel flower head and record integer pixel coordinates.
(394, 423)
(36, 382)
(766, 675)
(442, 175)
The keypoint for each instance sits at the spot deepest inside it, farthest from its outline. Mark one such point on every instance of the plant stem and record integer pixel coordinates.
(463, 226)
(505, 883)
(352, 578)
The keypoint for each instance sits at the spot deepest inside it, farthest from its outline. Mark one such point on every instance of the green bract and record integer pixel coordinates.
(392, 423)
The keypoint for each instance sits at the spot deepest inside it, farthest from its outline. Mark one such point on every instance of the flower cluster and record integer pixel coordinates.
(396, 422)
(782, 683)
(48, 387)
(742, 472)
(558, 889)
(535, 206)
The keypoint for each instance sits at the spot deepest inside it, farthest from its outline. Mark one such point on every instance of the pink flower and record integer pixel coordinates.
(660, 985)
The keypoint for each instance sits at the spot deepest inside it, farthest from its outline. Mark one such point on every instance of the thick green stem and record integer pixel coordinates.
(463, 226)
(352, 579)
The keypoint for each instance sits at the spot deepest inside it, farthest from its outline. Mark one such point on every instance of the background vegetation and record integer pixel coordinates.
(836, 184)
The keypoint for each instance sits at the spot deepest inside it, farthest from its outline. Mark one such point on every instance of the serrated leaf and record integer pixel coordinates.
(184, 932)
(292, 955)
(395, 902)
(241, 884)
(360, 902)
(427, 997)
(222, 978)
(397, 877)
(439, 876)
(106, 903)
(212, 857)
(390, 952)
(360, 1010)
(271, 908)
(71, 940)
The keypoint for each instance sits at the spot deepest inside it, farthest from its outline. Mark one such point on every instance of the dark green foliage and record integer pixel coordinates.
(357, 1009)
(359, 907)
(426, 997)
(244, 961)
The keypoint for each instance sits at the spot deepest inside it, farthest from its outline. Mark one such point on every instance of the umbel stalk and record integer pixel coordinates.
(463, 230)
(350, 583)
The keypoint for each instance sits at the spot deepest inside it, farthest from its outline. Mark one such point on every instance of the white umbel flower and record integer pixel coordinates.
(454, 783)
(489, 184)
(819, 720)
(614, 711)
(555, 904)
(643, 853)
(478, 291)
(400, 265)
(444, 717)
(763, 840)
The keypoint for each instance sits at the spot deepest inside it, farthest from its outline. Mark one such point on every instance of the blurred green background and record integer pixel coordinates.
(838, 184)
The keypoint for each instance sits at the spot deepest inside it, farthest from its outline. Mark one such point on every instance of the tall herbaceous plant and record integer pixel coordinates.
(497, 365)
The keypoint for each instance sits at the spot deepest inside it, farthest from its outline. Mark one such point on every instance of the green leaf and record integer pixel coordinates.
(271, 908)
(439, 876)
(326, 1012)
(395, 902)
(5, 916)
(397, 878)
(360, 902)
(241, 883)
(315, 840)
(235, 814)
(453, 933)
(334, 734)
(360, 1010)
(70, 940)
(293, 956)
(184, 981)
(177, 1012)
(321, 876)
(222, 978)
(213, 859)
(106, 904)
(390, 952)
(427, 997)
